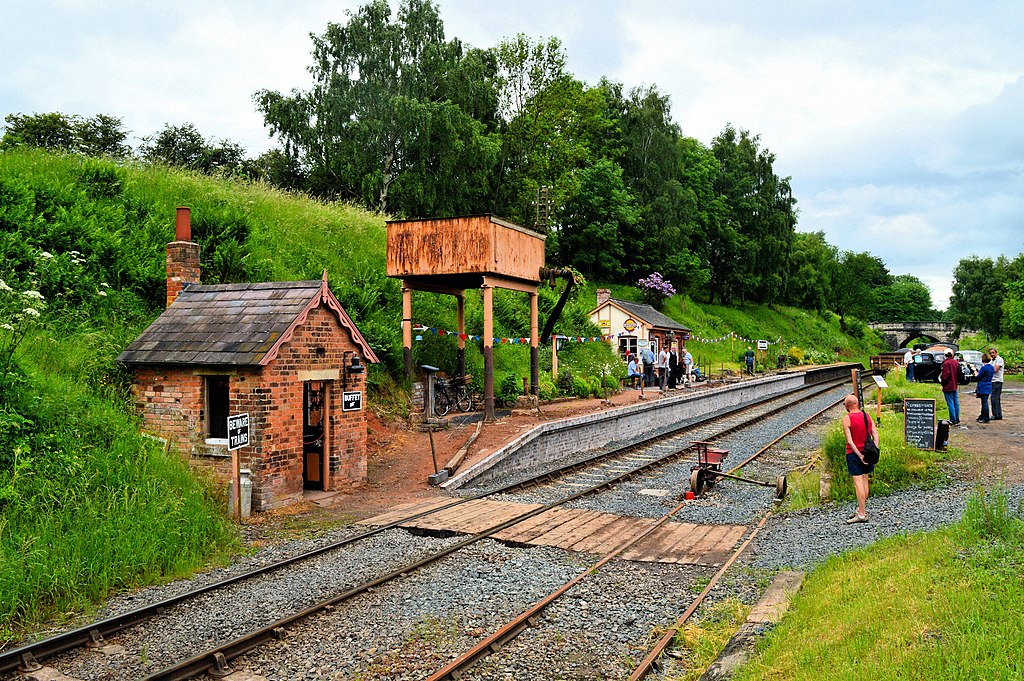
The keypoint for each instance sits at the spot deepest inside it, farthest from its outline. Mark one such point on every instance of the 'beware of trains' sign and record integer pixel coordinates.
(238, 431)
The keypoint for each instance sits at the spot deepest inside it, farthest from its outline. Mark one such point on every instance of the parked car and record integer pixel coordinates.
(928, 366)
(972, 357)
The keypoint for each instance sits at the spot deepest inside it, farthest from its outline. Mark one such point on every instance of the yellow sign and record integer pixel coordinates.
(604, 324)
(629, 325)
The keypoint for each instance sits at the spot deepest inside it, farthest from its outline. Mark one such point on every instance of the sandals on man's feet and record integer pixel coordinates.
(855, 518)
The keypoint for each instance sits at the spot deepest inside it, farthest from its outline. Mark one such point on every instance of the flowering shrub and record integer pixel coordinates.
(656, 288)
(18, 313)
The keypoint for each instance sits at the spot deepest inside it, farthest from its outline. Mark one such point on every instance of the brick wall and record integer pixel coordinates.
(171, 403)
(551, 444)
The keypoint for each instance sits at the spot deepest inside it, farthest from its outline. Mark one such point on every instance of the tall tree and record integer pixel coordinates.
(184, 146)
(382, 123)
(813, 265)
(977, 294)
(858, 278)
(101, 135)
(592, 220)
(907, 298)
(758, 235)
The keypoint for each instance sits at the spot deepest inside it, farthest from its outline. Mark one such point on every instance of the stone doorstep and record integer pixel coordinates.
(769, 610)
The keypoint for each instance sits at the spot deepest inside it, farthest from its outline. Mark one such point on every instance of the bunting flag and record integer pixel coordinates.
(468, 336)
(732, 336)
(578, 339)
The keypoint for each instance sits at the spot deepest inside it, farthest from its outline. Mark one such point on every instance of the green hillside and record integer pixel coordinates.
(87, 504)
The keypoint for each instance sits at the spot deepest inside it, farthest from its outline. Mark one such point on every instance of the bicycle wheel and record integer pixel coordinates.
(465, 400)
(442, 403)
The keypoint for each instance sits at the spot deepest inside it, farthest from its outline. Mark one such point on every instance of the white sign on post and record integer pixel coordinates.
(880, 381)
(238, 431)
(762, 345)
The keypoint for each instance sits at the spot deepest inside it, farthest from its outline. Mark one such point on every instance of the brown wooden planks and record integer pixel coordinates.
(406, 510)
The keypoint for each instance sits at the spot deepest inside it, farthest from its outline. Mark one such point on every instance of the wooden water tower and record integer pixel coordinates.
(450, 255)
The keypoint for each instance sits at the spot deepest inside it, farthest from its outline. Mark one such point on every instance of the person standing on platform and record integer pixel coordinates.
(856, 425)
(648, 356)
(663, 369)
(997, 384)
(984, 388)
(688, 365)
(749, 357)
(673, 368)
(908, 360)
(949, 379)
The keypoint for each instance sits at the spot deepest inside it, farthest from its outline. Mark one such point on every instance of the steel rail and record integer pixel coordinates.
(496, 640)
(650, 661)
(215, 660)
(27, 657)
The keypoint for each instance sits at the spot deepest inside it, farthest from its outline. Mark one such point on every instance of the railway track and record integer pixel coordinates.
(638, 459)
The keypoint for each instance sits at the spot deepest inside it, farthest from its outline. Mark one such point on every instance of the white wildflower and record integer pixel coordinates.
(4, 286)
(36, 295)
(8, 327)
(104, 284)
(31, 312)
(44, 254)
(74, 253)
(101, 293)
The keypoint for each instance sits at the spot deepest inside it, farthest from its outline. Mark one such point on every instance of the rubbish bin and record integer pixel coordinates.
(942, 435)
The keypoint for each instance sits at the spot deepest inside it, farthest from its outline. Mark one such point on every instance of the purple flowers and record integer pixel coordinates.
(656, 288)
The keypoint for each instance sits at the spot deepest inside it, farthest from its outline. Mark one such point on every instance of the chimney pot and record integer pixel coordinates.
(183, 225)
(603, 295)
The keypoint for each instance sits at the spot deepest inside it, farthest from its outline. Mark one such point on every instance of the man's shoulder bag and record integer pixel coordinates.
(870, 449)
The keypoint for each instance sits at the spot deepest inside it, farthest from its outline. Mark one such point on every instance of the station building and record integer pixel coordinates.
(634, 326)
(285, 353)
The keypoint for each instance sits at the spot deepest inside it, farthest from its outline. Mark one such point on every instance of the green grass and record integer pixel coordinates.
(943, 605)
(87, 505)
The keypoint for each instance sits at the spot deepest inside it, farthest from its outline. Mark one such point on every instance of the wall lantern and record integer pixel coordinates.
(352, 368)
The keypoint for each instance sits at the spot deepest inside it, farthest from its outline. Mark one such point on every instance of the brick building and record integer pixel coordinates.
(285, 353)
(634, 326)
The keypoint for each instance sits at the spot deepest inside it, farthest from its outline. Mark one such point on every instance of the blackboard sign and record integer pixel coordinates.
(238, 431)
(351, 401)
(919, 423)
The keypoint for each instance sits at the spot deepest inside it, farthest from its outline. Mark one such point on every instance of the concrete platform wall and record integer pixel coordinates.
(553, 444)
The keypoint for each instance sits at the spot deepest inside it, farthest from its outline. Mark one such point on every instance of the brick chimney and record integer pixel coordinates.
(182, 257)
(603, 294)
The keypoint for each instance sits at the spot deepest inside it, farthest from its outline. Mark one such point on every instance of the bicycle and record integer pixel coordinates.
(452, 392)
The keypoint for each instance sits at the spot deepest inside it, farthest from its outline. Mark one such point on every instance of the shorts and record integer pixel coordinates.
(855, 466)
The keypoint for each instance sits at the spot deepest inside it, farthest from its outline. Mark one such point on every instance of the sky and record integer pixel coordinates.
(901, 124)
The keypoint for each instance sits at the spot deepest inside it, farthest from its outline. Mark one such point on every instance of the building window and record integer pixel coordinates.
(627, 344)
(217, 409)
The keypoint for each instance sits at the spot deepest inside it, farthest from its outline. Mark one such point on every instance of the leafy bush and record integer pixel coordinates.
(509, 391)
(566, 382)
(546, 388)
(581, 387)
(795, 356)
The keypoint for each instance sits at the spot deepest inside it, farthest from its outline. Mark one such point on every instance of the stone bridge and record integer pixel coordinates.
(897, 334)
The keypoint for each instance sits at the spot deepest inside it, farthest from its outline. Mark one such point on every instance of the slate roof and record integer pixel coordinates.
(234, 324)
(646, 313)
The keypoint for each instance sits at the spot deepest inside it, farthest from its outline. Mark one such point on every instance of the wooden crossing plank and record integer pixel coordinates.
(406, 510)
(546, 520)
(522, 528)
(572, 518)
(574, 529)
(612, 534)
(595, 526)
(443, 519)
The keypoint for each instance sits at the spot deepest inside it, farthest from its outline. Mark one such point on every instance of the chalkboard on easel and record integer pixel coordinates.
(919, 423)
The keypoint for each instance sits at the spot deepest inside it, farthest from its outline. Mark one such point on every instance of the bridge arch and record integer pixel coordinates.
(897, 334)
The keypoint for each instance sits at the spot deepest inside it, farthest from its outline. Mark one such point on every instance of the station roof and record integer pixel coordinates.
(644, 312)
(235, 324)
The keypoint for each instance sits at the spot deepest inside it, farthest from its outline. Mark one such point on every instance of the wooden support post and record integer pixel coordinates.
(554, 358)
(407, 330)
(534, 347)
(461, 321)
(853, 379)
(489, 414)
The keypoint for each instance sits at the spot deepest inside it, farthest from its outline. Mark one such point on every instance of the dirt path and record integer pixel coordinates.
(996, 448)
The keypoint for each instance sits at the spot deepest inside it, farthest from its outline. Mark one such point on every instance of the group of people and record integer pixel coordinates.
(642, 366)
(989, 387)
(857, 425)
